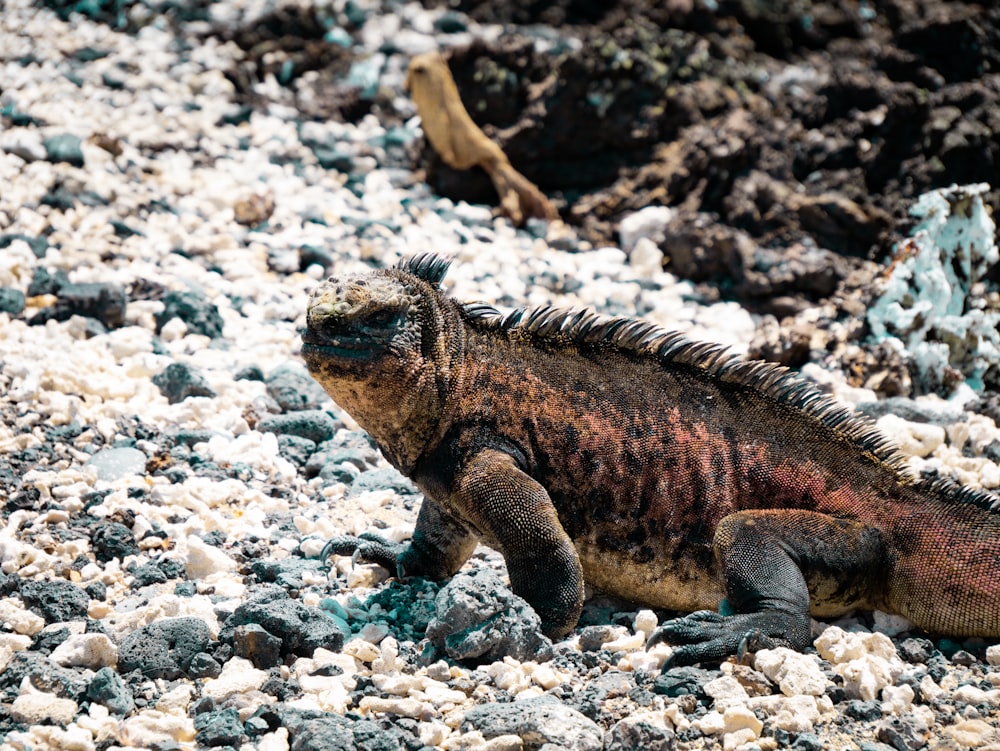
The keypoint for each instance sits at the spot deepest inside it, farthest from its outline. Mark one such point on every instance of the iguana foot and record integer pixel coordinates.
(367, 547)
(708, 636)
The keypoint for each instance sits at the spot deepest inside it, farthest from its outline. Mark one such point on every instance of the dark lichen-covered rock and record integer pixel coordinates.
(287, 572)
(44, 675)
(200, 315)
(684, 680)
(311, 730)
(11, 301)
(64, 147)
(108, 688)
(221, 727)
(381, 479)
(315, 425)
(253, 642)
(626, 736)
(179, 380)
(56, 601)
(301, 628)
(291, 386)
(296, 450)
(537, 721)
(480, 620)
(113, 540)
(101, 301)
(164, 649)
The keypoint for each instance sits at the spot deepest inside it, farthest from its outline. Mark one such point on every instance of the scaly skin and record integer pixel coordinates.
(658, 470)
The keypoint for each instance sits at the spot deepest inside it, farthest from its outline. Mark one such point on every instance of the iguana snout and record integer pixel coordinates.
(357, 318)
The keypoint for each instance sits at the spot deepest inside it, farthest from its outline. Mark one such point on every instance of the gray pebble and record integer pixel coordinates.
(627, 736)
(113, 540)
(203, 665)
(44, 675)
(97, 300)
(935, 413)
(382, 479)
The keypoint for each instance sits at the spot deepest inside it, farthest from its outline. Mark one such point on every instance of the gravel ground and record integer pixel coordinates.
(168, 468)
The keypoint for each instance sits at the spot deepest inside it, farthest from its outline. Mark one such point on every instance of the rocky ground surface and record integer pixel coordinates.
(176, 177)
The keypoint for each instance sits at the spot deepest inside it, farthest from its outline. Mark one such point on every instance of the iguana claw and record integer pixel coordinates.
(707, 636)
(367, 547)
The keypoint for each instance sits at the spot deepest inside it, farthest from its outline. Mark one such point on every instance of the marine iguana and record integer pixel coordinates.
(661, 470)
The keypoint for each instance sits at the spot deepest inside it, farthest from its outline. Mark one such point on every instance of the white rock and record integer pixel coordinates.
(710, 723)
(740, 717)
(646, 258)
(913, 438)
(18, 618)
(796, 714)
(650, 222)
(152, 726)
(15, 642)
(890, 624)
(929, 690)
(433, 733)
(276, 741)
(727, 692)
(645, 623)
(734, 740)
(404, 707)
(25, 143)
(626, 643)
(35, 708)
(204, 560)
(176, 700)
(993, 655)
(897, 699)
(93, 651)
(238, 677)
(794, 672)
(970, 694)
(361, 650)
(546, 677)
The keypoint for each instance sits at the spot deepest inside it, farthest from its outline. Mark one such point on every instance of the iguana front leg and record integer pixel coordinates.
(515, 513)
(774, 564)
(441, 543)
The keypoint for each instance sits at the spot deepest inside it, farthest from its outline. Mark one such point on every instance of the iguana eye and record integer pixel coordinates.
(381, 318)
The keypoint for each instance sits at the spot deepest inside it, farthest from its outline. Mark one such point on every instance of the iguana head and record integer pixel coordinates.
(383, 346)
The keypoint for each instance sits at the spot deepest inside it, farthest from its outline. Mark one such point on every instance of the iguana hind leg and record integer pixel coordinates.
(775, 566)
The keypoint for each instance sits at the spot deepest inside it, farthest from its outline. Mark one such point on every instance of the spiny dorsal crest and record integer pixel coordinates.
(431, 267)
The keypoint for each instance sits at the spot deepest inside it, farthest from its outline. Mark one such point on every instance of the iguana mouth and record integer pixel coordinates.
(344, 347)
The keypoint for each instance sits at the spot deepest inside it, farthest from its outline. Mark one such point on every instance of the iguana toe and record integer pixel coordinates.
(708, 636)
(367, 547)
